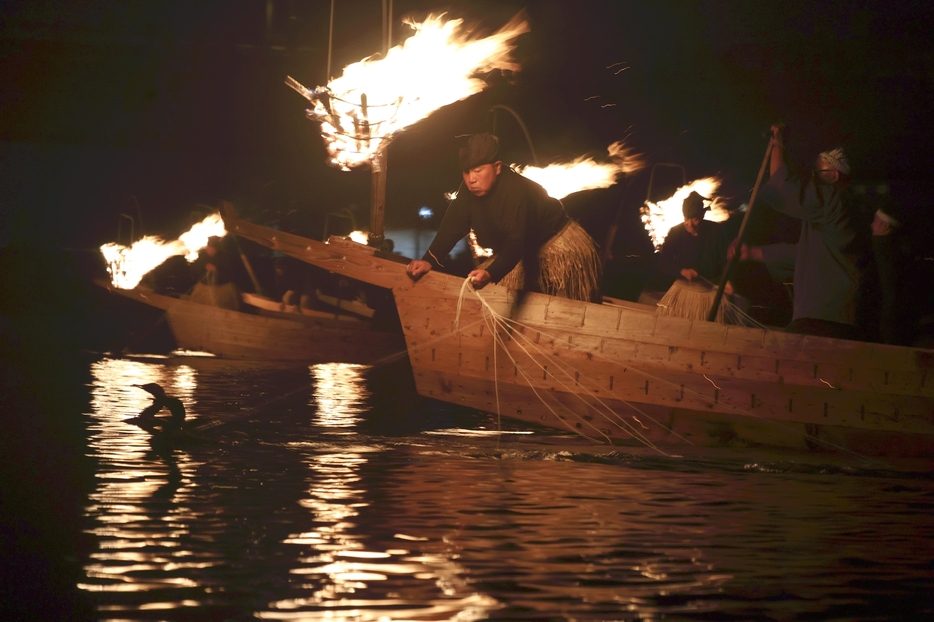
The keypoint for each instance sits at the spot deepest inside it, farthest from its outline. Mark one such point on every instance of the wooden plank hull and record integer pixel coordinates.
(624, 374)
(279, 337)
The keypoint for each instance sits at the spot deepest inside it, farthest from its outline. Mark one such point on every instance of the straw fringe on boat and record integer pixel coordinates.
(694, 300)
(224, 296)
(569, 266)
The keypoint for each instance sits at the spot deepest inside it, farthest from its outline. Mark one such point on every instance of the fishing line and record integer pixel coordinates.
(632, 431)
(736, 409)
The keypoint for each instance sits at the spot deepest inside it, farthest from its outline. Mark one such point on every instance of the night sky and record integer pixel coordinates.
(151, 108)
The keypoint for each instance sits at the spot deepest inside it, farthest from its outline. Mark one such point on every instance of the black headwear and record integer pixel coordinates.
(693, 206)
(481, 149)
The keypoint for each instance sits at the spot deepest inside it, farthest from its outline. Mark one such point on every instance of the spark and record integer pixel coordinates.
(827, 383)
(711, 382)
(636, 419)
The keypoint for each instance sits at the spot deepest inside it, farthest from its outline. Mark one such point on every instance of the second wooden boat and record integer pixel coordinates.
(269, 334)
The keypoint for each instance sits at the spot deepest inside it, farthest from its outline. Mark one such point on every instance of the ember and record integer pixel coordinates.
(128, 265)
(660, 217)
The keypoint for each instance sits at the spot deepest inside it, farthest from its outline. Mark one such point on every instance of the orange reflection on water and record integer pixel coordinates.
(138, 512)
(340, 396)
(342, 578)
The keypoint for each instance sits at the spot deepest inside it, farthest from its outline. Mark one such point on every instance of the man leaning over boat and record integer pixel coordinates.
(536, 245)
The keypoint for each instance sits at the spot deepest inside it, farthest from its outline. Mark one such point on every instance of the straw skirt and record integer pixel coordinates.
(568, 265)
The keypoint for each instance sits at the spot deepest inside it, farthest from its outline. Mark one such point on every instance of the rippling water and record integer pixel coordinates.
(335, 493)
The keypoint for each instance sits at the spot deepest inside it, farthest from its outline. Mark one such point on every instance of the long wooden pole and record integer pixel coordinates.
(227, 208)
(378, 180)
(718, 297)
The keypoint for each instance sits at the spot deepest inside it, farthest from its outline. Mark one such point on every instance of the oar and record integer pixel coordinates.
(230, 217)
(712, 316)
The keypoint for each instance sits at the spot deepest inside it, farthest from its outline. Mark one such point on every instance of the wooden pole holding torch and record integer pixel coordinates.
(377, 183)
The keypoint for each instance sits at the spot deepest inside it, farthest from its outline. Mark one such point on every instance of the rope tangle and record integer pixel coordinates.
(495, 320)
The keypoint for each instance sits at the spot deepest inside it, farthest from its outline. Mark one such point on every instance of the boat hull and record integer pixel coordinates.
(273, 336)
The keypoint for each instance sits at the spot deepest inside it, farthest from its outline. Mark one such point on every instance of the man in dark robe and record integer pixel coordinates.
(694, 249)
(536, 246)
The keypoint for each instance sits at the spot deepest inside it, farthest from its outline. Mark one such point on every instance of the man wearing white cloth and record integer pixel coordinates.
(826, 277)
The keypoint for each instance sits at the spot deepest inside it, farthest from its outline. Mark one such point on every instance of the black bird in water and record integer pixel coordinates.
(147, 419)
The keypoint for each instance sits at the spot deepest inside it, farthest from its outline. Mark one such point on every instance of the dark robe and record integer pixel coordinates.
(826, 273)
(514, 219)
(705, 252)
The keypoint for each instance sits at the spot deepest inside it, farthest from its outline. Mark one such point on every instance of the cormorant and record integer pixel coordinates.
(147, 418)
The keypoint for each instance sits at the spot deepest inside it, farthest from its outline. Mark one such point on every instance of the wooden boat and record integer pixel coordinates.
(267, 334)
(620, 372)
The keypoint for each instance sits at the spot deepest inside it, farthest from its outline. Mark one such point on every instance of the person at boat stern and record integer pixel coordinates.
(214, 269)
(536, 245)
(826, 276)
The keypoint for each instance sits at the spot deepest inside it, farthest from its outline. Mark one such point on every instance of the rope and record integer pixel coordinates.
(495, 320)
(498, 318)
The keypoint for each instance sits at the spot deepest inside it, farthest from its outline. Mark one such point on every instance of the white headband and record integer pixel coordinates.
(836, 160)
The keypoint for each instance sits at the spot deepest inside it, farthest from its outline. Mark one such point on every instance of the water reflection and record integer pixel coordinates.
(139, 512)
(340, 575)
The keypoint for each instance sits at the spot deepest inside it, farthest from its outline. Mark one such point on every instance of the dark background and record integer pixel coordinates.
(150, 108)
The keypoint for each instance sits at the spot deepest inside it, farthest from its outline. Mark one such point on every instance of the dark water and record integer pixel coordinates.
(334, 493)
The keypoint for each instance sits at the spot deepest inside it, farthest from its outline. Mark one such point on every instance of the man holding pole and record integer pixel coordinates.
(826, 278)
(536, 246)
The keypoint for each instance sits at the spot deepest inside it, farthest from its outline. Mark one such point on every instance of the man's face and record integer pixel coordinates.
(824, 174)
(480, 179)
(692, 225)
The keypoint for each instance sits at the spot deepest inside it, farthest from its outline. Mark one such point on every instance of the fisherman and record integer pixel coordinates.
(826, 278)
(214, 269)
(537, 247)
(694, 249)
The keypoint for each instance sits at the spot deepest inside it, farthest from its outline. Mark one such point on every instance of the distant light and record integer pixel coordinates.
(425, 213)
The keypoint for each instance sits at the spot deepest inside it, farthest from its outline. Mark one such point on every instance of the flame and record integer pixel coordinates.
(660, 217)
(360, 237)
(128, 265)
(374, 99)
(560, 180)
(477, 250)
